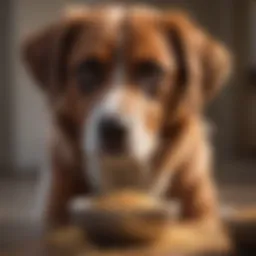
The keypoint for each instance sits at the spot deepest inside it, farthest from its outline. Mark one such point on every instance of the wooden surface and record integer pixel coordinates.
(20, 234)
(28, 240)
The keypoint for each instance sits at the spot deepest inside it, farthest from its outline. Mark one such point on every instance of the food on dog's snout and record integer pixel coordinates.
(120, 218)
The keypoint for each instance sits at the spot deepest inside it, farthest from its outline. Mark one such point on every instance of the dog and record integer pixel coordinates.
(126, 88)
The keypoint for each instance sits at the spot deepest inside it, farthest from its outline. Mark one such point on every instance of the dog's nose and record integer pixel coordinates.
(112, 135)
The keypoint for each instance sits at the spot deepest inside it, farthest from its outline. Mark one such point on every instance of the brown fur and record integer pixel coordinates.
(197, 65)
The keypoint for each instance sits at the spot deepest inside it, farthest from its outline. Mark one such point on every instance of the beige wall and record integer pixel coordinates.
(5, 141)
(253, 31)
(251, 98)
(30, 119)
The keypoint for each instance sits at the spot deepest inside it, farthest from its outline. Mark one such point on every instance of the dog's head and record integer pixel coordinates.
(122, 75)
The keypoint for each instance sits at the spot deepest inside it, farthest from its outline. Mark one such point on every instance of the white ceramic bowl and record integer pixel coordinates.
(122, 219)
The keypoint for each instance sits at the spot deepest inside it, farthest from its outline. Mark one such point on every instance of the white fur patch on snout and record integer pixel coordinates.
(140, 140)
(109, 106)
(112, 102)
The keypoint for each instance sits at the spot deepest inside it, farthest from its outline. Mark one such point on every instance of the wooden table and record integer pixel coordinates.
(22, 239)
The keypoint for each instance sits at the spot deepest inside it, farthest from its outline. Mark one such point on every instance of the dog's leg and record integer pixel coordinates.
(200, 223)
(62, 189)
(194, 185)
(67, 181)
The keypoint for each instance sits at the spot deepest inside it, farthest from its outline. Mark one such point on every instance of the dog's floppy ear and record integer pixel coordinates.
(216, 63)
(44, 52)
(38, 51)
(202, 60)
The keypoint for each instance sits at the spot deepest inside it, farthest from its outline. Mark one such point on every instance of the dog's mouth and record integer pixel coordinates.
(121, 163)
(114, 149)
(123, 172)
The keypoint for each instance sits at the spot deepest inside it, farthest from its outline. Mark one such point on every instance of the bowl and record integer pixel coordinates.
(122, 218)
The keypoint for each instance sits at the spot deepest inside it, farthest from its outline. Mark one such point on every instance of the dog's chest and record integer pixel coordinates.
(109, 174)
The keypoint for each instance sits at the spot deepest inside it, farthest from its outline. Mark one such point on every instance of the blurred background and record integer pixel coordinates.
(25, 122)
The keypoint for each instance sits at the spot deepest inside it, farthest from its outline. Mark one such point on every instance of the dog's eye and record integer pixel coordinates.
(148, 74)
(90, 75)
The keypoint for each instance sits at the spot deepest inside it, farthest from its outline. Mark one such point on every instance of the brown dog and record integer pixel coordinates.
(126, 87)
